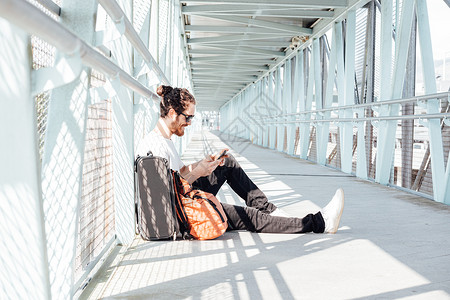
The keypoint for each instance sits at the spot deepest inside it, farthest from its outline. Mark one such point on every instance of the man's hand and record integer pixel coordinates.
(222, 157)
(207, 165)
(203, 168)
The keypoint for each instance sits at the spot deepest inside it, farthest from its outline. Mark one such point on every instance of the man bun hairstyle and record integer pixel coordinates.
(175, 98)
(164, 90)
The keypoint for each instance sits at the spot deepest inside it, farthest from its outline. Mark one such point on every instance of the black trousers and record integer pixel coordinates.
(255, 216)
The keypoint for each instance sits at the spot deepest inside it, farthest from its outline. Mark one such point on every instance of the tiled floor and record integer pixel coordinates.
(390, 245)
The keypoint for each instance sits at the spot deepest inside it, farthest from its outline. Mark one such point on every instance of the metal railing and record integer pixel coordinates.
(34, 21)
(421, 100)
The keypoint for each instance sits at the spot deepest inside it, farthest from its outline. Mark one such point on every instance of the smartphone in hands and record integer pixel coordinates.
(224, 152)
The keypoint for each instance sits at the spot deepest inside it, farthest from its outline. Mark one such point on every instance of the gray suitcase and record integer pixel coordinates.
(155, 206)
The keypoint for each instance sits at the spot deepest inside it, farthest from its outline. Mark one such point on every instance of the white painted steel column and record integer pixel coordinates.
(241, 103)
(275, 111)
(23, 256)
(254, 105)
(340, 73)
(385, 72)
(361, 160)
(122, 132)
(287, 98)
(328, 99)
(63, 157)
(169, 40)
(254, 113)
(238, 107)
(154, 30)
(249, 112)
(258, 111)
(294, 102)
(266, 110)
(300, 83)
(387, 134)
(441, 178)
(349, 92)
(147, 109)
(279, 103)
(320, 145)
(293, 105)
(306, 106)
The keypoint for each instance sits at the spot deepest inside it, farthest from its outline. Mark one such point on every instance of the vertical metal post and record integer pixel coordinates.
(404, 175)
(259, 101)
(25, 271)
(340, 74)
(385, 68)
(279, 101)
(154, 30)
(266, 110)
(169, 40)
(305, 105)
(318, 81)
(387, 133)
(300, 83)
(370, 81)
(328, 97)
(62, 162)
(293, 103)
(441, 177)
(287, 99)
(251, 108)
(349, 92)
(122, 132)
(271, 98)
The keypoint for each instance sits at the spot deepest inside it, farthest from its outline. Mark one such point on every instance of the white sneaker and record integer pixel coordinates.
(279, 213)
(333, 211)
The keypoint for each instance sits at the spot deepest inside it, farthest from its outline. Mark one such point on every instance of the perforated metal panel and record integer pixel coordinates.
(43, 55)
(96, 221)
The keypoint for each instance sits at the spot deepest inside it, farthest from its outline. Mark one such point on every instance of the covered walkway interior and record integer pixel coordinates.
(390, 245)
(310, 95)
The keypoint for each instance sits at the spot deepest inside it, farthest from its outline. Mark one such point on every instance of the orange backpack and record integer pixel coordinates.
(199, 212)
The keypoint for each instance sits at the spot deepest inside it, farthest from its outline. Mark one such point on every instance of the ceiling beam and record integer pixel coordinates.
(262, 24)
(220, 76)
(289, 13)
(218, 81)
(229, 38)
(297, 3)
(218, 66)
(224, 58)
(256, 11)
(216, 98)
(259, 44)
(227, 71)
(237, 29)
(211, 87)
(209, 93)
(239, 52)
(245, 49)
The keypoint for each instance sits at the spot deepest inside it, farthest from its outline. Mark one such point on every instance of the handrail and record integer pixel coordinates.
(363, 105)
(113, 9)
(34, 21)
(51, 6)
(383, 118)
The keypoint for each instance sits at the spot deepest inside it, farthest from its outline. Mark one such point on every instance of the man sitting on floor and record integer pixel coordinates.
(177, 109)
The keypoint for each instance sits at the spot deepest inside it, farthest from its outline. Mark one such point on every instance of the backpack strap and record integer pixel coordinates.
(181, 214)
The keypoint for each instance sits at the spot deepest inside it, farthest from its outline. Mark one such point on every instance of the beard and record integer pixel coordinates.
(179, 131)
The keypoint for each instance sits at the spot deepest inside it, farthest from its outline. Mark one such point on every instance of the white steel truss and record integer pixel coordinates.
(318, 97)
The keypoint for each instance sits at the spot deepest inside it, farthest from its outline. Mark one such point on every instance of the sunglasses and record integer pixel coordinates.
(188, 117)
